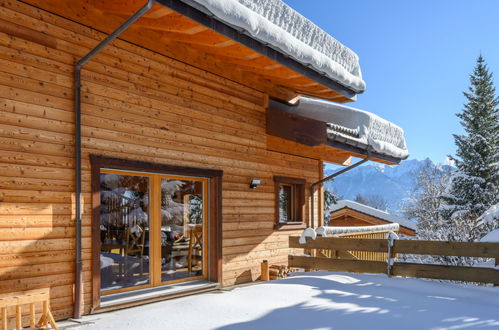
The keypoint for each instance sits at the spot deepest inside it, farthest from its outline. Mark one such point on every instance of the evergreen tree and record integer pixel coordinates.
(475, 184)
(376, 201)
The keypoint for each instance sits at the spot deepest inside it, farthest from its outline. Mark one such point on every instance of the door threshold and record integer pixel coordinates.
(132, 298)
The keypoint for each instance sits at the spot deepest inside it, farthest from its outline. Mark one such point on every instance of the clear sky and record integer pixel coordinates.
(416, 57)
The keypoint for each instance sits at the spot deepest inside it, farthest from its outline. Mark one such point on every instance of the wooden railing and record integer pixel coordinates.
(368, 255)
(394, 268)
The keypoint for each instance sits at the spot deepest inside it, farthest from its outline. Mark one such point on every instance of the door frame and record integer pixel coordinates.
(214, 225)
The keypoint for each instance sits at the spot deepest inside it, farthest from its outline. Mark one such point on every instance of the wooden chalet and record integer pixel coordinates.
(352, 214)
(151, 149)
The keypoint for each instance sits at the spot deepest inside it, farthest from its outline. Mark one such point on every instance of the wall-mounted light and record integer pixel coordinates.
(254, 183)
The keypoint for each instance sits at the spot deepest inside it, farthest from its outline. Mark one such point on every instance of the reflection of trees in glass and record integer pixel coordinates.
(284, 203)
(172, 210)
(176, 195)
(196, 209)
(124, 199)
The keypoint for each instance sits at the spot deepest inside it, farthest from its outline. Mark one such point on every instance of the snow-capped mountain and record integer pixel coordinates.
(393, 183)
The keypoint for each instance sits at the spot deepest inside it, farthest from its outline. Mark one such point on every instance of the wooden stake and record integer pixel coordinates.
(19, 317)
(265, 271)
(32, 315)
(4, 318)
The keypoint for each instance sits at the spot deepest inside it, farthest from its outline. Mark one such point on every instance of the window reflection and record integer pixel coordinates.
(181, 229)
(124, 229)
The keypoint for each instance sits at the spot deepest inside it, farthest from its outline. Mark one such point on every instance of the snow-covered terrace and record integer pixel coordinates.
(320, 300)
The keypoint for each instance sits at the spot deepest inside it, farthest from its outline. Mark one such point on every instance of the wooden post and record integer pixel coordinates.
(19, 317)
(45, 313)
(4, 318)
(265, 271)
(497, 264)
(32, 315)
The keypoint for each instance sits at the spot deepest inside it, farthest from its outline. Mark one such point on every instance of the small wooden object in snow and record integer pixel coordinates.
(278, 271)
(18, 299)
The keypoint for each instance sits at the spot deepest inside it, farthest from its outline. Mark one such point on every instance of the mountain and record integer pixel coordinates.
(393, 183)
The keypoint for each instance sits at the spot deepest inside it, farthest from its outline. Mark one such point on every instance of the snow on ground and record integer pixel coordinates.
(490, 215)
(320, 300)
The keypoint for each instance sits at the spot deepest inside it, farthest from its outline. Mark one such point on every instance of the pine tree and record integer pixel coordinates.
(475, 184)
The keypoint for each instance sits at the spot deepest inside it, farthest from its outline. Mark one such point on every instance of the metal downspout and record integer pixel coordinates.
(328, 178)
(77, 100)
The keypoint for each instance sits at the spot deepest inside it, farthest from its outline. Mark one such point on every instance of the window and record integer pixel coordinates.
(290, 201)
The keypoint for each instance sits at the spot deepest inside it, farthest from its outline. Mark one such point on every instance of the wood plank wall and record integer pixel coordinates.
(138, 105)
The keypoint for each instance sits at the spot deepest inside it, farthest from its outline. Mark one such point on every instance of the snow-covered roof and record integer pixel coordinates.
(345, 230)
(353, 127)
(492, 237)
(277, 25)
(372, 212)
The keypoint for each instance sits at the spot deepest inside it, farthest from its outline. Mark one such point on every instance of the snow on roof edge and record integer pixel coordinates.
(371, 131)
(372, 212)
(235, 13)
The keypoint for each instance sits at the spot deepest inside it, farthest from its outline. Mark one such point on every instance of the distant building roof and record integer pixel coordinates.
(373, 212)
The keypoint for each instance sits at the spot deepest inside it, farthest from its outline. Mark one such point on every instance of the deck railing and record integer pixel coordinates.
(368, 232)
(395, 268)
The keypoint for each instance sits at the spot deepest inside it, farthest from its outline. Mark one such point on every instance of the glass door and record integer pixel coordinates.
(152, 229)
(182, 229)
(124, 231)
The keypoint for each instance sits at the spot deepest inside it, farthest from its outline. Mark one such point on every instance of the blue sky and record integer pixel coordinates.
(416, 57)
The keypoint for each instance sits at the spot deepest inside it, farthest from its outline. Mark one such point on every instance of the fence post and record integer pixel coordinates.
(391, 237)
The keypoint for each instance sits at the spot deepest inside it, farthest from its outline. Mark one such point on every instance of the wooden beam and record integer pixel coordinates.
(442, 248)
(295, 128)
(170, 23)
(159, 11)
(205, 38)
(345, 244)
(321, 153)
(463, 249)
(453, 273)
(25, 33)
(85, 13)
(128, 7)
(339, 265)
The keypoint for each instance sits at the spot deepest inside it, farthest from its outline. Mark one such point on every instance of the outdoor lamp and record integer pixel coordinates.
(254, 183)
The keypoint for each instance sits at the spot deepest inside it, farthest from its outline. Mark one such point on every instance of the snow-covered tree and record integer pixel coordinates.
(424, 202)
(331, 197)
(475, 184)
(376, 201)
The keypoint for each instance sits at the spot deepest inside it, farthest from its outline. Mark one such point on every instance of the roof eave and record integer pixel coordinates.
(196, 14)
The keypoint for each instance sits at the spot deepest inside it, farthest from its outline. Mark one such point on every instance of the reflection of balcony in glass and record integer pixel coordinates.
(182, 223)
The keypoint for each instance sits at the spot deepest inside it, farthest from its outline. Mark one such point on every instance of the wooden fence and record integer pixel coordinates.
(395, 268)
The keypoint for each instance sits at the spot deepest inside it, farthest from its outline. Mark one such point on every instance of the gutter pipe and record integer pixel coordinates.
(328, 178)
(77, 99)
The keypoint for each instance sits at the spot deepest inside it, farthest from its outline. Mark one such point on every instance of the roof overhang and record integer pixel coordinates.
(186, 32)
(343, 131)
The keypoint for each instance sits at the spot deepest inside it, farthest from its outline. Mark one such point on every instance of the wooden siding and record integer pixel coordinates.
(137, 105)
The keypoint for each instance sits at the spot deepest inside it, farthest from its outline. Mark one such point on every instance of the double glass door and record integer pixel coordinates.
(152, 229)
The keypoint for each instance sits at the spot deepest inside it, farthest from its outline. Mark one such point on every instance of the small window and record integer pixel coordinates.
(290, 198)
